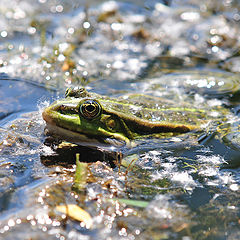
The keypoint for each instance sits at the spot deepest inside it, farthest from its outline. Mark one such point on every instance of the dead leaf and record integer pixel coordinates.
(76, 213)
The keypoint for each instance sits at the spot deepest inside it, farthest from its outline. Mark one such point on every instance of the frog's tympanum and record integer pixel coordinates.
(91, 119)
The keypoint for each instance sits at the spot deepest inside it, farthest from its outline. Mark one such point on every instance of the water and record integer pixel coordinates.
(188, 51)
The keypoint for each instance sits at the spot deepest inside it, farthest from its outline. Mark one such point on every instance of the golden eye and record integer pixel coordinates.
(90, 109)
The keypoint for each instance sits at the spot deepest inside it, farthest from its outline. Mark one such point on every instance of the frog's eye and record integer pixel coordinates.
(90, 109)
(75, 92)
(68, 91)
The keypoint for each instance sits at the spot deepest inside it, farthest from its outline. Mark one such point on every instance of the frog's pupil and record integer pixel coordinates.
(90, 109)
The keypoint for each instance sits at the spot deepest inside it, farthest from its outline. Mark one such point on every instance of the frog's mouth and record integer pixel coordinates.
(76, 136)
(80, 138)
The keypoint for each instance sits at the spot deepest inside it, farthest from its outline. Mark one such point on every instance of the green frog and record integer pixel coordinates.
(91, 119)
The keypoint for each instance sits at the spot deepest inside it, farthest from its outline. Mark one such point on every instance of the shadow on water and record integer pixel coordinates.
(67, 156)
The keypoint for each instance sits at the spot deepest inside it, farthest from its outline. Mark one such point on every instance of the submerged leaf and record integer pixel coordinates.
(76, 213)
(135, 203)
(129, 161)
(81, 173)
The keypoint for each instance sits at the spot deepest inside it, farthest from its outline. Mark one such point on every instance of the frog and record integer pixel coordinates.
(88, 118)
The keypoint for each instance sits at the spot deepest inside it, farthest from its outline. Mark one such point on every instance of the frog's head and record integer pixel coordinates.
(82, 118)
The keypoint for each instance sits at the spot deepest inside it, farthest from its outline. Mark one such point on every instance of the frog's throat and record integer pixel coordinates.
(83, 139)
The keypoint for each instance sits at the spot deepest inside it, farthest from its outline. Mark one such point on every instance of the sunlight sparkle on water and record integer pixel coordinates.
(86, 25)
(201, 83)
(59, 8)
(215, 49)
(4, 34)
(61, 58)
(31, 30)
(43, 218)
(109, 6)
(183, 178)
(71, 30)
(116, 26)
(11, 223)
(190, 16)
(118, 64)
(234, 187)
(63, 46)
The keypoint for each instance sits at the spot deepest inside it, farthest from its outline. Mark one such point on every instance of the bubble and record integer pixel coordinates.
(18, 221)
(63, 46)
(19, 13)
(4, 34)
(215, 49)
(137, 232)
(116, 26)
(59, 8)
(234, 187)
(236, 17)
(11, 223)
(85, 73)
(6, 228)
(190, 16)
(71, 30)
(81, 62)
(86, 25)
(31, 30)
(61, 58)
(118, 64)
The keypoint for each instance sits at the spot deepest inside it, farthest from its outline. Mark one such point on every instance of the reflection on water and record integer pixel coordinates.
(181, 187)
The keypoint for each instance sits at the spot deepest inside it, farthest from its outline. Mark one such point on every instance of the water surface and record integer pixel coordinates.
(182, 187)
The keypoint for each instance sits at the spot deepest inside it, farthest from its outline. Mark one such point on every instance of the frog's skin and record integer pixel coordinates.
(90, 119)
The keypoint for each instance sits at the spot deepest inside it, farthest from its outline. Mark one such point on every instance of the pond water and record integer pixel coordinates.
(179, 187)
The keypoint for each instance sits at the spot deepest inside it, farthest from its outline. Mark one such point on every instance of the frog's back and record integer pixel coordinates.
(156, 109)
